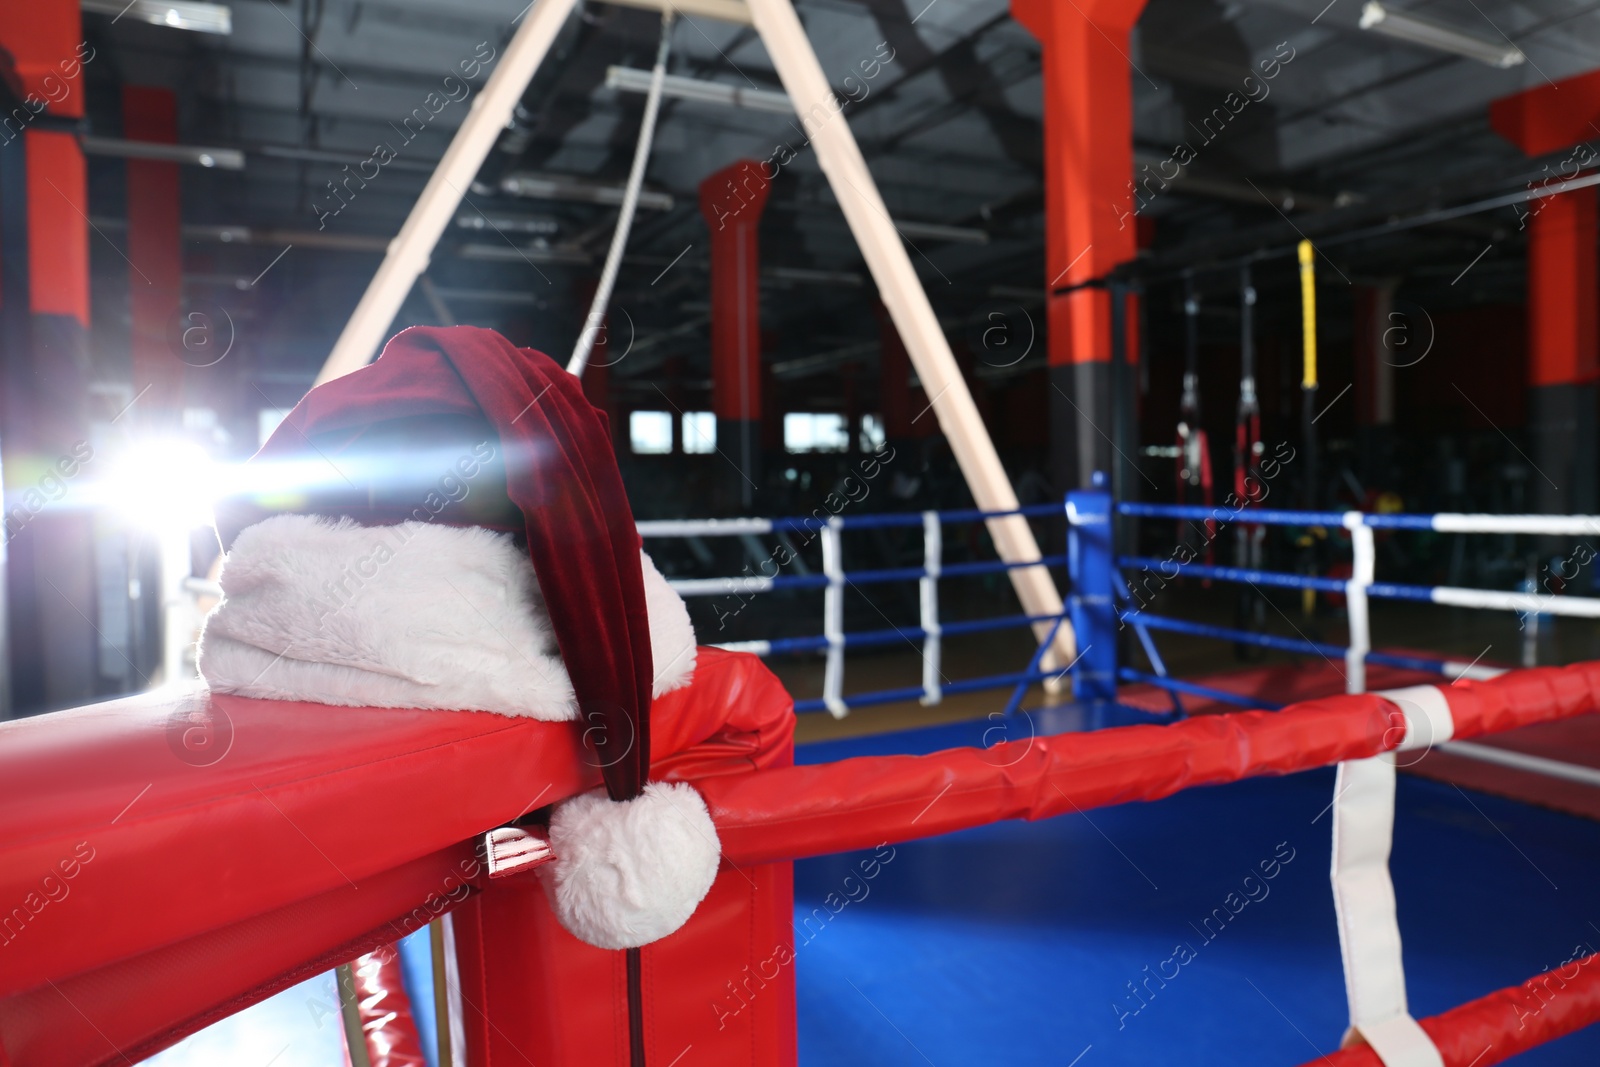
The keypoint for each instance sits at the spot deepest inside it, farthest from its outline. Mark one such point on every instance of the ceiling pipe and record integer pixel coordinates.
(699, 91)
(221, 158)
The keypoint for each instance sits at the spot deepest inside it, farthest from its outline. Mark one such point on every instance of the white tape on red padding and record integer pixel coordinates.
(1363, 894)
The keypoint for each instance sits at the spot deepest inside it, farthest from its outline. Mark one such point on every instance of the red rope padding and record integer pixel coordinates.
(861, 803)
(1522, 698)
(1494, 1028)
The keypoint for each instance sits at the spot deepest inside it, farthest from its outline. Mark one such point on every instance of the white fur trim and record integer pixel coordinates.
(631, 872)
(407, 616)
(672, 644)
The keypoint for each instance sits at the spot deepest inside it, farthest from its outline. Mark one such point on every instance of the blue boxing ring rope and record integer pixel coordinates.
(835, 640)
(1357, 590)
(1101, 600)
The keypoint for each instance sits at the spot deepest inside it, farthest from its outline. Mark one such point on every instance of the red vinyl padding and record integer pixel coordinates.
(806, 811)
(155, 885)
(385, 1010)
(1494, 1028)
(861, 803)
(198, 887)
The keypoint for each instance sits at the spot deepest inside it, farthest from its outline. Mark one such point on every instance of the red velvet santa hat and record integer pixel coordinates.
(563, 492)
(625, 874)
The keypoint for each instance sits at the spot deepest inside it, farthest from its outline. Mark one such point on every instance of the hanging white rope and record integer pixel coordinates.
(409, 252)
(630, 202)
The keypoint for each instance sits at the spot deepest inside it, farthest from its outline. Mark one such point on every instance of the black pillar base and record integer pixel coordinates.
(1561, 429)
(739, 441)
(50, 566)
(1375, 456)
(1082, 425)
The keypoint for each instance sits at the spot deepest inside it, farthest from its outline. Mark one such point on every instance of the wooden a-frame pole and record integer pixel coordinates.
(840, 158)
(902, 294)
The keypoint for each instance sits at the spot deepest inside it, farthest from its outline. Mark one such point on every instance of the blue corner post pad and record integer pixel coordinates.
(1090, 566)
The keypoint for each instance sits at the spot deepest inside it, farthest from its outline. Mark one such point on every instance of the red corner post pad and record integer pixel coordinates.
(860, 803)
(172, 858)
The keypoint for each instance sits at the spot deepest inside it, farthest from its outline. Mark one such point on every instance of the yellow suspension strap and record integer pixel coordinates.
(1308, 388)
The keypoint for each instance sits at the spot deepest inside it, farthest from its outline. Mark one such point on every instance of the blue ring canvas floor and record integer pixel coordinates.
(1016, 943)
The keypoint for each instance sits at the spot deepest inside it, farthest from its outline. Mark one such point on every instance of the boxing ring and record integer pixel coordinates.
(833, 580)
(153, 884)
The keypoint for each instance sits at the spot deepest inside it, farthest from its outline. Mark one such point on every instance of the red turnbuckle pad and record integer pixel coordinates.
(509, 850)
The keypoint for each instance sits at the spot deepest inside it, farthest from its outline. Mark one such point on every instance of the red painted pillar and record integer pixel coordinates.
(732, 200)
(155, 254)
(52, 650)
(1562, 365)
(1563, 274)
(1089, 225)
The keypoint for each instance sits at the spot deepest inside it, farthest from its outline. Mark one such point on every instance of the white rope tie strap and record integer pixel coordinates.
(833, 620)
(933, 559)
(1363, 566)
(1363, 893)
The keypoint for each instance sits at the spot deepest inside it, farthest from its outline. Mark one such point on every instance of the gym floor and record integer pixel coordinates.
(1045, 942)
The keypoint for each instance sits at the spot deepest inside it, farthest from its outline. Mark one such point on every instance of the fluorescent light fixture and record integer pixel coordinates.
(578, 190)
(725, 10)
(938, 231)
(1430, 34)
(225, 158)
(178, 14)
(633, 80)
(538, 225)
(506, 253)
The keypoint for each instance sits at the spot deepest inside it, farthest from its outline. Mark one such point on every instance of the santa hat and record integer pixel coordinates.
(629, 870)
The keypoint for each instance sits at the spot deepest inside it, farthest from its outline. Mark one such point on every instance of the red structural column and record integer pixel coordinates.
(1562, 338)
(155, 253)
(1563, 275)
(52, 651)
(1089, 221)
(732, 200)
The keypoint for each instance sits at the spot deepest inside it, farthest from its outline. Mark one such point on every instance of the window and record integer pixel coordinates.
(650, 432)
(699, 433)
(815, 432)
(872, 437)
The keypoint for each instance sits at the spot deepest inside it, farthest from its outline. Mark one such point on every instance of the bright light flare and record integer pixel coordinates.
(165, 485)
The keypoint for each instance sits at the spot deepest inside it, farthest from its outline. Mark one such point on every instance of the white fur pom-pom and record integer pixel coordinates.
(630, 872)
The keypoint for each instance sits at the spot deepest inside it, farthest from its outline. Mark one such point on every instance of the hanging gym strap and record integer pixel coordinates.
(630, 204)
(1247, 452)
(1194, 450)
(1308, 381)
(1247, 429)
